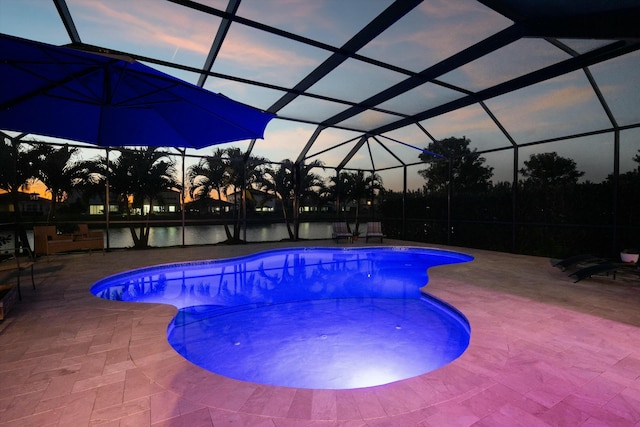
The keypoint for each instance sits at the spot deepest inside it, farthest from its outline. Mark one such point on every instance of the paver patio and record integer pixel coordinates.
(544, 352)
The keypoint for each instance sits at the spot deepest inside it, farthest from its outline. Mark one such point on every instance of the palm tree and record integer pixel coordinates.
(137, 174)
(56, 171)
(355, 187)
(150, 176)
(16, 174)
(339, 189)
(290, 183)
(243, 172)
(16, 166)
(305, 185)
(89, 177)
(278, 183)
(209, 175)
(225, 170)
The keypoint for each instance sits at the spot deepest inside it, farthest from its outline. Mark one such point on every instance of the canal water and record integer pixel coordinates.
(208, 234)
(211, 234)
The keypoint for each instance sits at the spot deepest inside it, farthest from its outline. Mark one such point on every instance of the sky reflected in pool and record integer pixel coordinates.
(322, 318)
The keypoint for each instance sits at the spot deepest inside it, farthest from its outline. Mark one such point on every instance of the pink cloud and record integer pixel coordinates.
(567, 97)
(178, 28)
(157, 26)
(254, 54)
(543, 110)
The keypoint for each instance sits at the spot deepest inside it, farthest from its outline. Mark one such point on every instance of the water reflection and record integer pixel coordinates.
(281, 276)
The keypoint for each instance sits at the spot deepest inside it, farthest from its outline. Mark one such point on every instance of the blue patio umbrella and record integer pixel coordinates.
(113, 101)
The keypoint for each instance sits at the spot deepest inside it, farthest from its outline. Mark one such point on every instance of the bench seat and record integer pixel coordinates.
(47, 241)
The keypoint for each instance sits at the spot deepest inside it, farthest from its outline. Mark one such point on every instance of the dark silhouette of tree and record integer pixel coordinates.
(210, 175)
(339, 187)
(244, 171)
(137, 174)
(549, 169)
(278, 184)
(305, 185)
(55, 168)
(468, 171)
(90, 179)
(16, 174)
(16, 166)
(636, 159)
(456, 187)
(628, 208)
(290, 183)
(313, 189)
(355, 187)
(227, 170)
(549, 195)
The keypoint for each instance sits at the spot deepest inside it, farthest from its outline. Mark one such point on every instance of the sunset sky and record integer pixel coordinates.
(430, 33)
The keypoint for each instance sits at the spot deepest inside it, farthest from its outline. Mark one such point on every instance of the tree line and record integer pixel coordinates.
(549, 211)
(552, 209)
(139, 176)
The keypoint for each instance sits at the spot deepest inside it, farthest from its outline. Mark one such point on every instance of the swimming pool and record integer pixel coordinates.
(322, 318)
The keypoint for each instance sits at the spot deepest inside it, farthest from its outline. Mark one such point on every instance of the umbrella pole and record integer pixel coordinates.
(244, 201)
(182, 204)
(106, 199)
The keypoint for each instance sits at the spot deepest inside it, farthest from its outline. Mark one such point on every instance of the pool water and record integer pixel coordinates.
(322, 318)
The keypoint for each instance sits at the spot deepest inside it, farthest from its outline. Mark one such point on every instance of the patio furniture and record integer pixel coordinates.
(341, 231)
(586, 272)
(47, 241)
(576, 260)
(374, 231)
(605, 268)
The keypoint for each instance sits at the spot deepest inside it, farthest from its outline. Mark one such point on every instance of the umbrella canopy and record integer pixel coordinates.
(113, 101)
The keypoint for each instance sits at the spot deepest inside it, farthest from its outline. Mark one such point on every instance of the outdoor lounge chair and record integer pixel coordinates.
(374, 231)
(341, 231)
(606, 268)
(572, 261)
(602, 268)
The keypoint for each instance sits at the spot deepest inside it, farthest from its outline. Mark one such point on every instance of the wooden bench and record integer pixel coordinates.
(47, 241)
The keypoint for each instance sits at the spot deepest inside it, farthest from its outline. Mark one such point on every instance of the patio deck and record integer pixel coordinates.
(544, 352)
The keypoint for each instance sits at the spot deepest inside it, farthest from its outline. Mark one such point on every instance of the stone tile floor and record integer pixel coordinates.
(544, 352)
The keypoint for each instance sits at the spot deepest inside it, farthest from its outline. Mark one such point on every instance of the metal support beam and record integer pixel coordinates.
(67, 20)
(514, 200)
(352, 153)
(595, 56)
(616, 183)
(404, 202)
(449, 191)
(388, 150)
(309, 144)
(470, 54)
(223, 29)
(374, 28)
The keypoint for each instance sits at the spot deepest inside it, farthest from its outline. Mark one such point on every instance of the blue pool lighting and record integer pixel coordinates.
(321, 318)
